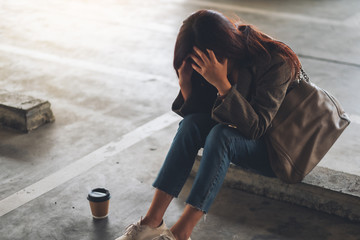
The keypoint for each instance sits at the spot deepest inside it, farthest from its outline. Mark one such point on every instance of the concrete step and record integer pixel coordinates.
(323, 189)
(22, 112)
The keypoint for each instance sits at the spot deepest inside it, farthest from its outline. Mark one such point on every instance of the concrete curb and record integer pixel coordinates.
(325, 190)
(24, 113)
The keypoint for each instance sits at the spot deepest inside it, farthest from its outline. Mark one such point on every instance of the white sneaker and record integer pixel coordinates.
(136, 231)
(166, 235)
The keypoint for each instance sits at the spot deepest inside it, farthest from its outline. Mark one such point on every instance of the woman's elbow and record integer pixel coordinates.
(256, 133)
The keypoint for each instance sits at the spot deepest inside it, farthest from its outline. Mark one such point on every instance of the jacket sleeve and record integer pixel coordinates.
(200, 100)
(253, 117)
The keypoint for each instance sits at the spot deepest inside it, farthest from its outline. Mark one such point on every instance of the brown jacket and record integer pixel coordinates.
(251, 103)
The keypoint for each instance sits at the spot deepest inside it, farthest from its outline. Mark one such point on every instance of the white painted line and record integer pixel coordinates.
(208, 4)
(84, 164)
(94, 67)
(281, 15)
(106, 69)
(353, 20)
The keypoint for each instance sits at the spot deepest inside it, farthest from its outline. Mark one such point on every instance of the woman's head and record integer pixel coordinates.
(208, 29)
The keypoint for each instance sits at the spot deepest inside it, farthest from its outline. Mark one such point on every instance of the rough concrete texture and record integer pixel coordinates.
(64, 212)
(322, 189)
(106, 68)
(22, 112)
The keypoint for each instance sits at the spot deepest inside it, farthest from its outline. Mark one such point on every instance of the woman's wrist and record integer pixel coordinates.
(224, 88)
(185, 88)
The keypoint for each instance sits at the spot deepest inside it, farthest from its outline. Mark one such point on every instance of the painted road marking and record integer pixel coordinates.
(353, 20)
(91, 160)
(94, 67)
(99, 67)
(84, 164)
(273, 14)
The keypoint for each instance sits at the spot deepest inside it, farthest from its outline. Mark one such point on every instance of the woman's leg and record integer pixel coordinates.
(186, 223)
(178, 163)
(223, 145)
(157, 209)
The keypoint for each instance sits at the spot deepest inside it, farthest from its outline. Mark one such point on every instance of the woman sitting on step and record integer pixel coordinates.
(233, 79)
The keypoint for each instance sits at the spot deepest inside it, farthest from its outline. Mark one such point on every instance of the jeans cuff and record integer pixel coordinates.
(174, 194)
(205, 211)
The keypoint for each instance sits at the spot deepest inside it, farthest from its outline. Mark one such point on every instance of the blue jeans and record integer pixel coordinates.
(222, 145)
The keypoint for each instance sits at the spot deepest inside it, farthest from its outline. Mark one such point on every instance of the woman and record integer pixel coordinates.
(233, 79)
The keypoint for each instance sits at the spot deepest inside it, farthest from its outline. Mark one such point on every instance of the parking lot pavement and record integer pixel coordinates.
(106, 68)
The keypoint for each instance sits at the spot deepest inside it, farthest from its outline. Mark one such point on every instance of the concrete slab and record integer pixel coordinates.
(22, 112)
(64, 212)
(92, 109)
(107, 68)
(323, 189)
(121, 32)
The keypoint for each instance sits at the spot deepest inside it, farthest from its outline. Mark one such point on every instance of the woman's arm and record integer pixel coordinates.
(253, 118)
(185, 88)
(185, 72)
(212, 70)
(194, 96)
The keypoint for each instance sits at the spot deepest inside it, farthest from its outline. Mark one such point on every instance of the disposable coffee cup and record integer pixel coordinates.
(99, 199)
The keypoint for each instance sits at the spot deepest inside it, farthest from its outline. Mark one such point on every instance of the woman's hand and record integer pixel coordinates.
(185, 71)
(212, 70)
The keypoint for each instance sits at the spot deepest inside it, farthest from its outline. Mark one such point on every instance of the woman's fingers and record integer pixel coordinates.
(202, 55)
(196, 68)
(214, 59)
(185, 70)
(225, 63)
(208, 66)
(198, 61)
(212, 56)
(182, 65)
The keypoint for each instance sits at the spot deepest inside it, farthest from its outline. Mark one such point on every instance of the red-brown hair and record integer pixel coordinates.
(244, 44)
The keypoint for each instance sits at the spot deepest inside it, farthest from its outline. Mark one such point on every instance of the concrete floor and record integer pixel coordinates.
(87, 58)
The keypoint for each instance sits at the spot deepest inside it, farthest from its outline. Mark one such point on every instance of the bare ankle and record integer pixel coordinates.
(153, 223)
(180, 235)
